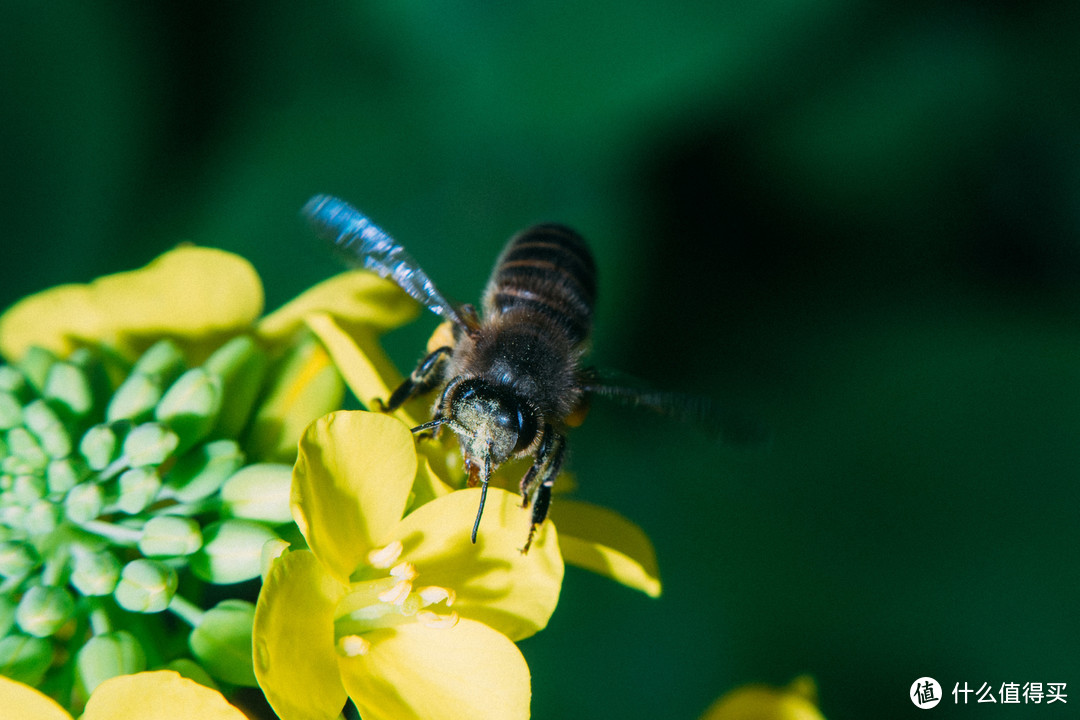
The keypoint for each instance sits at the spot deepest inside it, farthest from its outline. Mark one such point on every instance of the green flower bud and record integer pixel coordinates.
(10, 411)
(44, 609)
(191, 405)
(241, 365)
(68, 386)
(46, 425)
(11, 520)
(7, 615)
(163, 360)
(92, 365)
(149, 444)
(84, 503)
(62, 475)
(12, 465)
(13, 382)
(138, 488)
(170, 536)
(94, 573)
(28, 488)
(231, 551)
(35, 364)
(25, 659)
(222, 642)
(201, 472)
(192, 671)
(135, 399)
(260, 492)
(41, 518)
(17, 558)
(100, 445)
(24, 446)
(146, 586)
(106, 656)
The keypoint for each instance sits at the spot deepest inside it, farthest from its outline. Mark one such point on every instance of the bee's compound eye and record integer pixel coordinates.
(465, 393)
(508, 418)
(526, 427)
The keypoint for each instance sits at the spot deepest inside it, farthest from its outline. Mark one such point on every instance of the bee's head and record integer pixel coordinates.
(492, 422)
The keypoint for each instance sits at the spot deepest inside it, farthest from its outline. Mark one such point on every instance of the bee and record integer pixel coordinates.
(513, 379)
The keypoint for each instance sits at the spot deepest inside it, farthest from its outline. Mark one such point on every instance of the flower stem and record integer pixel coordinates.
(99, 619)
(118, 534)
(186, 610)
(56, 566)
(114, 468)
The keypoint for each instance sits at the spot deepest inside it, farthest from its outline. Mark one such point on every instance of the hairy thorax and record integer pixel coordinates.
(527, 354)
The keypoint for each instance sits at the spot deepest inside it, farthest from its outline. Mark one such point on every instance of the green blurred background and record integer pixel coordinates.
(858, 221)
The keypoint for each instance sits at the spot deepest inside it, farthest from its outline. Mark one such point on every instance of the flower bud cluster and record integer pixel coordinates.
(120, 499)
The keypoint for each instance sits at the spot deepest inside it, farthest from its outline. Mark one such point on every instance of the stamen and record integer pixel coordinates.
(404, 571)
(397, 594)
(352, 646)
(387, 602)
(411, 606)
(385, 557)
(434, 620)
(433, 594)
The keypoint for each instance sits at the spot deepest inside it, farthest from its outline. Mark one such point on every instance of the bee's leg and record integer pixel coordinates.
(428, 374)
(538, 481)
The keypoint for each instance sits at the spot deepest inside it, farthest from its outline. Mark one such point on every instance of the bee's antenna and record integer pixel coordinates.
(483, 492)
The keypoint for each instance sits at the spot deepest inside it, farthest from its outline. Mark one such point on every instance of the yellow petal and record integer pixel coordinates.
(350, 485)
(306, 386)
(355, 299)
(363, 363)
(295, 660)
(495, 583)
(22, 702)
(159, 695)
(195, 295)
(413, 672)
(428, 485)
(762, 702)
(605, 542)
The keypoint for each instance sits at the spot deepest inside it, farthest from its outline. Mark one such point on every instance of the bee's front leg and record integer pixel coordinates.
(427, 376)
(538, 481)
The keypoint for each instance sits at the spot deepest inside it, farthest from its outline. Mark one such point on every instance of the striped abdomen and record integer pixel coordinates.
(548, 269)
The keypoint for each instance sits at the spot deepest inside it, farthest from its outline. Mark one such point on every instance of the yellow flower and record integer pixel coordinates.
(199, 298)
(402, 613)
(591, 537)
(160, 695)
(763, 702)
(131, 411)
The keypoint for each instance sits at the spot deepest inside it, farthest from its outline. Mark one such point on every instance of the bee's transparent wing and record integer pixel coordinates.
(362, 244)
(729, 425)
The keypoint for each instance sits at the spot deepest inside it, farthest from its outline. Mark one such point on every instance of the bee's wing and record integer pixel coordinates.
(362, 244)
(729, 425)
